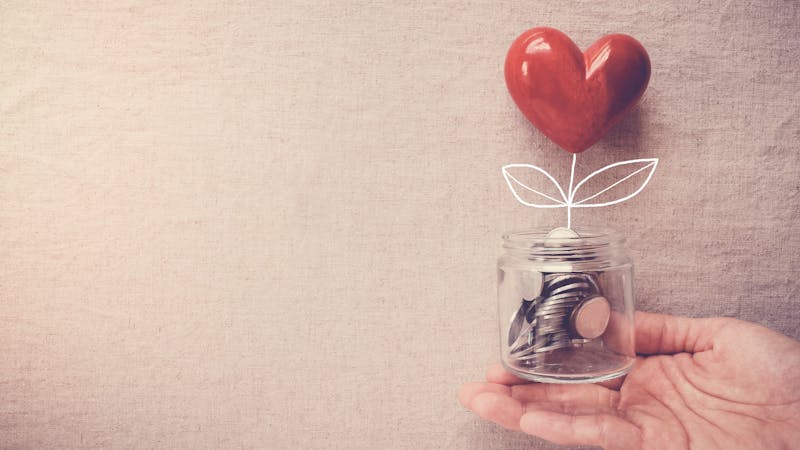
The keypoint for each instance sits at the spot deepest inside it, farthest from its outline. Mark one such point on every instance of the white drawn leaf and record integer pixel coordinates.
(532, 195)
(636, 166)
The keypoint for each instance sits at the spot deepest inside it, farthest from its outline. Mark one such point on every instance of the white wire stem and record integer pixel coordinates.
(571, 192)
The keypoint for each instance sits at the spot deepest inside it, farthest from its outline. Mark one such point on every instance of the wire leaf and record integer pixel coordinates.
(533, 195)
(636, 166)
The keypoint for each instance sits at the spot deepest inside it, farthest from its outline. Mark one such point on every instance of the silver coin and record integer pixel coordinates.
(567, 279)
(593, 281)
(558, 335)
(557, 311)
(552, 319)
(543, 345)
(517, 320)
(555, 321)
(563, 302)
(546, 331)
(562, 233)
(528, 356)
(550, 348)
(562, 296)
(579, 286)
(552, 315)
(550, 309)
(530, 315)
(522, 351)
(555, 308)
(530, 284)
(549, 277)
(524, 340)
(559, 278)
(561, 237)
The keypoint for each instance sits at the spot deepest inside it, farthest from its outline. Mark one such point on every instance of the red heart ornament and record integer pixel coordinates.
(574, 98)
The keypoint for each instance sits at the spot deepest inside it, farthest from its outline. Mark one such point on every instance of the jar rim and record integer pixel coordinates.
(588, 238)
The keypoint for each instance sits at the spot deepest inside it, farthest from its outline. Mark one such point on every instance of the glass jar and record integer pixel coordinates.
(565, 305)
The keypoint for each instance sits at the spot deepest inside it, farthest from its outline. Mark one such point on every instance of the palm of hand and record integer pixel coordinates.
(709, 383)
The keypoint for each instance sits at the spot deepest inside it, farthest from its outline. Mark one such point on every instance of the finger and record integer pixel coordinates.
(573, 397)
(619, 335)
(665, 334)
(470, 390)
(605, 430)
(499, 408)
(568, 408)
(614, 384)
(496, 373)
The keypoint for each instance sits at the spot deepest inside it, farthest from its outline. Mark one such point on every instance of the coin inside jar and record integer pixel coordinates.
(517, 321)
(530, 284)
(590, 318)
(562, 233)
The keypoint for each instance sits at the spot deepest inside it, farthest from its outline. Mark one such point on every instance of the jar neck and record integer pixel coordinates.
(592, 246)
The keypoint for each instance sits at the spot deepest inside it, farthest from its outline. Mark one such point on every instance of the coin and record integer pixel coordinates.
(517, 320)
(566, 311)
(524, 339)
(550, 348)
(563, 296)
(556, 279)
(590, 318)
(566, 278)
(577, 286)
(564, 302)
(530, 284)
(562, 233)
(530, 315)
(552, 314)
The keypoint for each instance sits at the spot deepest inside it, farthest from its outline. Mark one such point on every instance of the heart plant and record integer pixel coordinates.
(574, 98)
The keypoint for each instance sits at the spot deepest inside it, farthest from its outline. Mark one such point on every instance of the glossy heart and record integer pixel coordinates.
(574, 98)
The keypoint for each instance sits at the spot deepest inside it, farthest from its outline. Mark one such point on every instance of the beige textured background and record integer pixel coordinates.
(275, 224)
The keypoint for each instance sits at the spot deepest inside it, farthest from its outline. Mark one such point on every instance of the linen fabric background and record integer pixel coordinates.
(275, 224)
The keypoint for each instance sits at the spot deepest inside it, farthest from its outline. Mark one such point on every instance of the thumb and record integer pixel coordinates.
(665, 334)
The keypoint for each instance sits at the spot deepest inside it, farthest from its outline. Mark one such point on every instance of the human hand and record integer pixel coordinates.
(697, 383)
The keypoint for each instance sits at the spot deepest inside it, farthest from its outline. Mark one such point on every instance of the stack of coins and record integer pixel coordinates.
(569, 310)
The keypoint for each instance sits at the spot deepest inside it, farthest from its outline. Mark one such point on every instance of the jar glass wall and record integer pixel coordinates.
(565, 305)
